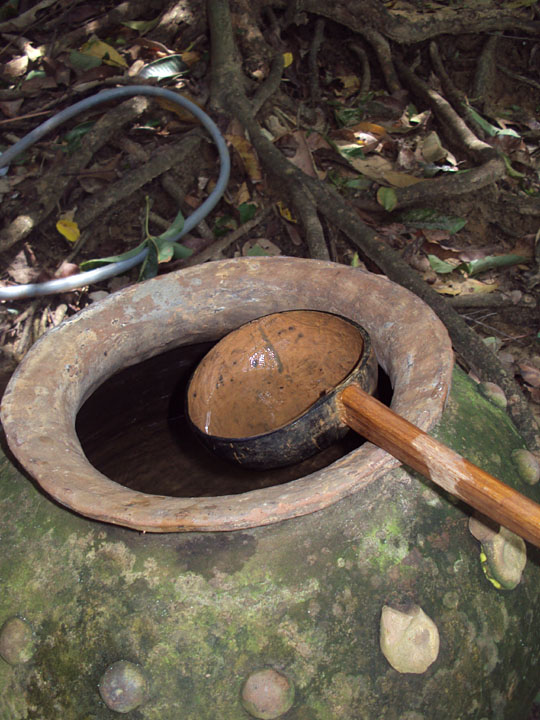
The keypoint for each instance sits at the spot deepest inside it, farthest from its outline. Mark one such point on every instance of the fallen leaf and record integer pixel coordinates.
(530, 374)
(242, 194)
(260, 246)
(432, 149)
(69, 229)
(15, 68)
(350, 85)
(302, 157)
(247, 155)
(465, 287)
(373, 167)
(102, 50)
(20, 270)
(387, 198)
(400, 179)
(285, 212)
(287, 59)
(11, 108)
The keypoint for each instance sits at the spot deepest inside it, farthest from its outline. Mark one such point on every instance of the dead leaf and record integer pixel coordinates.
(301, 156)
(432, 149)
(373, 167)
(293, 234)
(369, 127)
(247, 156)
(530, 374)
(15, 68)
(20, 270)
(467, 286)
(350, 85)
(398, 179)
(11, 108)
(285, 212)
(242, 195)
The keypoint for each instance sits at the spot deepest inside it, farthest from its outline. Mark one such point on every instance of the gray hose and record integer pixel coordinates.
(92, 276)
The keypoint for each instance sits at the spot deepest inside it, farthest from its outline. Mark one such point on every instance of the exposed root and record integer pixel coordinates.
(227, 92)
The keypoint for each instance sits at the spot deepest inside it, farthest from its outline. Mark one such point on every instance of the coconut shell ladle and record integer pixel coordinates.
(286, 385)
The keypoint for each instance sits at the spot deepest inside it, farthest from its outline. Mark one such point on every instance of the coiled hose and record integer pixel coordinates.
(103, 273)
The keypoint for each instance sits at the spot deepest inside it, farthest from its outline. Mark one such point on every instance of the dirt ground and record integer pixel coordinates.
(331, 115)
(461, 213)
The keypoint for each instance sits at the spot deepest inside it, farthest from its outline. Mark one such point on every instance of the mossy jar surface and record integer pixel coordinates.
(199, 616)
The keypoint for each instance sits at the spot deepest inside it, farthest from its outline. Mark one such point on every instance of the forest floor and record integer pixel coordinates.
(330, 113)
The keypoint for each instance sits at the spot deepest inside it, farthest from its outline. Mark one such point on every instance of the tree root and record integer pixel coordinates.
(227, 91)
(53, 184)
(164, 159)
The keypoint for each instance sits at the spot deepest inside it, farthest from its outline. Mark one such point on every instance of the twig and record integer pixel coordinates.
(470, 143)
(271, 84)
(161, 161)
(219, 246)
(53, 184)
(25, 19)
(521, 78)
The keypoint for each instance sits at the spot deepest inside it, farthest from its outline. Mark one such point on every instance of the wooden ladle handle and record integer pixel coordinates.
(446, 468)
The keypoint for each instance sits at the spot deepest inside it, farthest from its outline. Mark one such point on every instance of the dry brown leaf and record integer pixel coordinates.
(530, 374)
(242, 195)
(467, 286)
(398, 179)
(247, 156)
(10, 108)
(20, 270)
(373, 167)
(302, 157)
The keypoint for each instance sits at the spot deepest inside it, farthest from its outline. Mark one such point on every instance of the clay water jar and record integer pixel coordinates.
(357, 590)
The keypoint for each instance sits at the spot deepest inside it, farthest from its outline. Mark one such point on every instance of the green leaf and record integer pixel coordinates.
(487, 127)
(35, 74)
(351, 152)
(176, 227)
(474, 267)
(440, 266)
(181, 252)
(141, 26)
(224, 224)
(432, 220)
(150, 265)
(349, 116)
(510, 170)
(387, 198)
(166, 67)
(246, 211)
(73, 137)
(83, 62)
(98, 262)
(256, 251)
